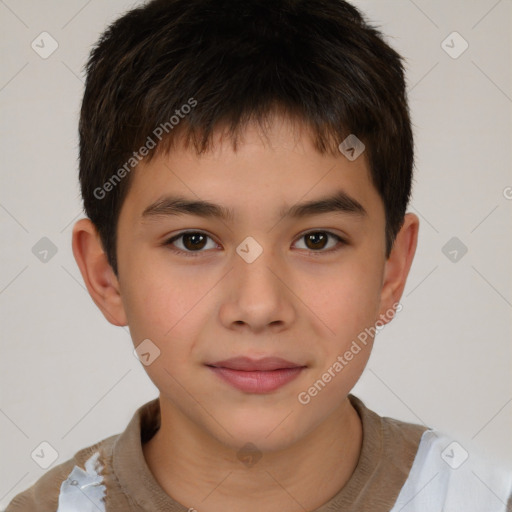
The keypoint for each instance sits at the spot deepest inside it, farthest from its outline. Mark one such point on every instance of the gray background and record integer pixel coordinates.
(70, 378)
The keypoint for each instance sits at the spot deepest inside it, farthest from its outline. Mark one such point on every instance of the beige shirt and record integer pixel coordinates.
(388, 450)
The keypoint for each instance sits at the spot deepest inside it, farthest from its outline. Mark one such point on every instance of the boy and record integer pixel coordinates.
(246, 168)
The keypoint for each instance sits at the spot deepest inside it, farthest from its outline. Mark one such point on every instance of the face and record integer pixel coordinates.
(262, 282)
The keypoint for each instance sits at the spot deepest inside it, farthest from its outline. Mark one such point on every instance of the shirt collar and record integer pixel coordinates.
(380, 473)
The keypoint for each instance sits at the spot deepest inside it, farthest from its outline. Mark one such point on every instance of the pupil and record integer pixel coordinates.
(317, 238)
(196, 239)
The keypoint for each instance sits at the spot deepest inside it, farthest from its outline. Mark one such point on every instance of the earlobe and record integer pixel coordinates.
(398, 264)
(99, 278)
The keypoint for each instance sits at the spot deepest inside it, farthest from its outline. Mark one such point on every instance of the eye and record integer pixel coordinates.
(193, 242)
(315, 241)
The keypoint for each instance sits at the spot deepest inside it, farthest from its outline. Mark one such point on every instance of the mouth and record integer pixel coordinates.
(256, 376)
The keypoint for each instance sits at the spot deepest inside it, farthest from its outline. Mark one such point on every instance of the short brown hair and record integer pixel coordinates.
(318, 61)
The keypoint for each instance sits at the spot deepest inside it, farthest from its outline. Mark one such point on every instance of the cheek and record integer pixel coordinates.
(347, 302)
(168, 305)
(156, 300)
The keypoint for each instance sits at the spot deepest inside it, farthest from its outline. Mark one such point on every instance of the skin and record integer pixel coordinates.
(291, 302)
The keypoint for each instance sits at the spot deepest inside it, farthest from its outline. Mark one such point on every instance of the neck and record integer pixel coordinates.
(199, 472)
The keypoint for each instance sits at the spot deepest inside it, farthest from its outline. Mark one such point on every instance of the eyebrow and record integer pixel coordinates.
(339, 202)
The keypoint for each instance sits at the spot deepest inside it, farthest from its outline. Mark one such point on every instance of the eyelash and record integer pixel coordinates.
(193, 254)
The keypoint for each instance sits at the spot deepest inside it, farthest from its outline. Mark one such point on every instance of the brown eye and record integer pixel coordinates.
(317, 241)
(189, 242)
(193, 241)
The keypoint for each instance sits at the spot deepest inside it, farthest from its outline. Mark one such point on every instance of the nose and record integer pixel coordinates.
(258, 295)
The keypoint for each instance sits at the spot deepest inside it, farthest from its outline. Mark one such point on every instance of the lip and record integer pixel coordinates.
(256, 375)
(248, 364)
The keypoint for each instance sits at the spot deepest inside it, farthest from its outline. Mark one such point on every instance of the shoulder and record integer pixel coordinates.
(56, 489)
(446, 475)
(394, 441)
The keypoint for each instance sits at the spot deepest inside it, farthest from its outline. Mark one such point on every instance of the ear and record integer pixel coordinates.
(101, 282)
(397, 267)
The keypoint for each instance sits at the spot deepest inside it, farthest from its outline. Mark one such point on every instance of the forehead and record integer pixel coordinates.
(267, 173)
